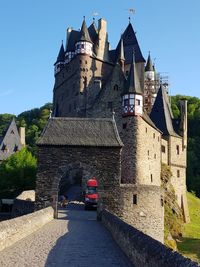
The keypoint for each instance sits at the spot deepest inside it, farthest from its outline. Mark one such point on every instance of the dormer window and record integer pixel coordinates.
(12, 132)
(4, 148)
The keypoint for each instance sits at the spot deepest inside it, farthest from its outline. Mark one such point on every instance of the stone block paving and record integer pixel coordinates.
(76, 239)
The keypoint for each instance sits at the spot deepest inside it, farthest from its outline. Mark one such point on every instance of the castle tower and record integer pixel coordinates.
(140, 163)
(84, 44)
(173, 146)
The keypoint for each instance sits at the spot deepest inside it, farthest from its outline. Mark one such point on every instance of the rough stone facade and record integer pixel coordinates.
(141, 249)
(92, 81)
(56, 162)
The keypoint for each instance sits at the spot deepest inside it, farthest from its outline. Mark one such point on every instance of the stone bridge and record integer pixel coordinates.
(76, 238)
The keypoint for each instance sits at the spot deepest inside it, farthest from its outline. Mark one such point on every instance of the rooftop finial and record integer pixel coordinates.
(113, 115)
(83, 17)
(131, 11)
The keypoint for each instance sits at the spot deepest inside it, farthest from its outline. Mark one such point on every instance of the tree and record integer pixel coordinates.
(17, 173)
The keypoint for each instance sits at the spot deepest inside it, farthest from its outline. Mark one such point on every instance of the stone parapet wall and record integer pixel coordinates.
(142, 250)
(13, 230)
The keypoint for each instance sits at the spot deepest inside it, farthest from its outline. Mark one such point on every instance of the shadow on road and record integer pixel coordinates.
(86, 242)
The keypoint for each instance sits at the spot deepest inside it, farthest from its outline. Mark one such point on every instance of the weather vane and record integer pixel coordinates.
(95, 14)
(131, 12)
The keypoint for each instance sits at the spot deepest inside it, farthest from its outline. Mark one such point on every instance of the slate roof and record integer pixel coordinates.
(61, 55)
(63, 131)
(73, 39)
(10, 140)
(161, 114)
(130, 44)
(84, 36)
(130, 86)
(149, 65)
(93, 32)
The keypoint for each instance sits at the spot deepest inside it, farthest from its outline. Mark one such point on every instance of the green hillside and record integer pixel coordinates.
(189, 245)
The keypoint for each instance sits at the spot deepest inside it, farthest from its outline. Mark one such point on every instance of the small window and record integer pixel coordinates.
(80, 61)
(178, 173)
(177, 150)
(135, 199)
(137, 102)
(154, 135)
(146, 129)
(154, 156)
(82, 46)
(162, 202)
(158, 138)
(12, 132)
(86, 62)
(163, 149)
(127, 73)
(115, 87)
(124, 125)
(151, 177)
(148, 152)
(110, 106)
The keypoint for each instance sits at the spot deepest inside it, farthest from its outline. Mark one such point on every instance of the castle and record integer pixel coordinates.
(110, 108)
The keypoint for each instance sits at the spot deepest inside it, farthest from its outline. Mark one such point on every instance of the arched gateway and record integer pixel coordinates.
(71, 147)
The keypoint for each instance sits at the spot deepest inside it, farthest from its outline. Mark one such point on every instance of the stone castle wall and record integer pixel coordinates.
(147, 215)
(141, 249)
(53, 164)
(148, 154)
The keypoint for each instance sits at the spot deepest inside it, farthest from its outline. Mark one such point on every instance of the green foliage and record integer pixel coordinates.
(193, 150)
(5, 119)
(18, 173)
(189, 245)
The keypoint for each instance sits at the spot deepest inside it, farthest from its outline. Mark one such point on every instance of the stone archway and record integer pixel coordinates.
(69, 172)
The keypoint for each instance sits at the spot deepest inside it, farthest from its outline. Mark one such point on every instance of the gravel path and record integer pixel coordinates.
(76, 239)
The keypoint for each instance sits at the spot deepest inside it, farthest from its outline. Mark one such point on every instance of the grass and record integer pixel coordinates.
(189, 245)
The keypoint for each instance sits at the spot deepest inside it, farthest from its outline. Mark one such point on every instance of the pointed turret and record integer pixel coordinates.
(84, 33)
(121, 58)
(149, 65)
(161, 113)
(84, 44)
(130, 42)
(60, 60)
(132, 95)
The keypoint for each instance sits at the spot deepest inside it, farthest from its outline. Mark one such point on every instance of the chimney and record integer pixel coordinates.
(183, 123)
(22, 135)
(103, 40)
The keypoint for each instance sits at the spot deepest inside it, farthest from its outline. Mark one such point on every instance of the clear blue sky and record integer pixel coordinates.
(31, 32)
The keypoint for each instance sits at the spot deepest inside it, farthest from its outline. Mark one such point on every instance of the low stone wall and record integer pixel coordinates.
(13, 230)
(141, 249)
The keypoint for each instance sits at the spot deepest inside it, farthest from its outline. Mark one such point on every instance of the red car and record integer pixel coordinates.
(91, 196)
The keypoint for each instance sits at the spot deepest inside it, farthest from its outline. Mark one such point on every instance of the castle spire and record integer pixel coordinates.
(84, 32)
(131, 86)
(61, 54)
(149, 65)
(84, 44)
(121, 58)
(60, 60)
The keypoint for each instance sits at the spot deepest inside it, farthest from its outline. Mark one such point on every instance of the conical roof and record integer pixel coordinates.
(130, 44)
(130, 86)
(121, 50)
(84, 33)
(61, 54)
(161, 113)
(149, 65)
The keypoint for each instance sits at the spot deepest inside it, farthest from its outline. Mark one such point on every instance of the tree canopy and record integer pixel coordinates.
(18, 173)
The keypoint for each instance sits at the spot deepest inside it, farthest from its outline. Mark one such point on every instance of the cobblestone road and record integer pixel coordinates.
(76, 239)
